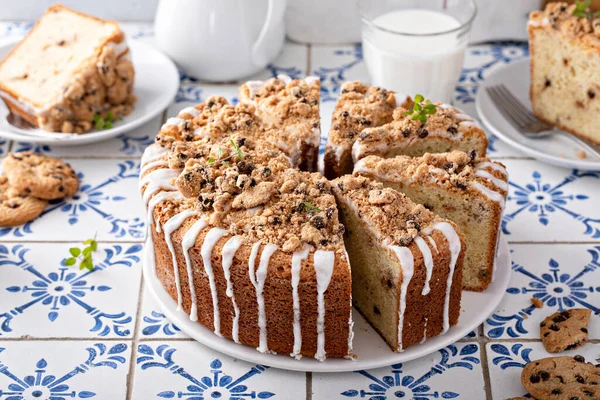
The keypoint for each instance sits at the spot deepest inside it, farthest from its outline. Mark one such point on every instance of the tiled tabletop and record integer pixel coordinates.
(66, 333)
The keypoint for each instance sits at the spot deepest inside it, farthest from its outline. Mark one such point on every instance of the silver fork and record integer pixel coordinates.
(525, 121)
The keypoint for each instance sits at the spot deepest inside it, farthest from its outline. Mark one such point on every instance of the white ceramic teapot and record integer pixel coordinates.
(220, 40)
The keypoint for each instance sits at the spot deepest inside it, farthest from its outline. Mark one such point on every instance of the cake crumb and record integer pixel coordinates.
(537, 302)
(581, 154)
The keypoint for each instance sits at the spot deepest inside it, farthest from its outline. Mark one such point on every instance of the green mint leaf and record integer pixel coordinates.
(109, 116)
(219, 153)
(310, 208)
(419, 98)
(108, 125)
(75, 251)
(98, 122)
(225, 163)
(94, 245)
(407, 113)
(87, 251)
(211, 161)
(70, 261)
(418, 107)
(237, 149)
(597, 14)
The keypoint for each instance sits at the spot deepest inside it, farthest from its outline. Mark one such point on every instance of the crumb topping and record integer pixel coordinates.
(289, 110)
(559, 15)
(358, 107)
(447, 122)
(395, 218)
(455, 170)
(257, 195)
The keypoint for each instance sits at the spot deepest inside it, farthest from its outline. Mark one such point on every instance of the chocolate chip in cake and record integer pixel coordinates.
(345, 114)
(318, 222)
(534, 378)
(579, 358)
(452, 129)
(406, 132)
(591, 94)
(422, 133)
(547, 83)
(376, 310)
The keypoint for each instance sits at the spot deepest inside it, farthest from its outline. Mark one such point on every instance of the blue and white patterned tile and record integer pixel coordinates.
(107, 204)
(40, 297)
(153, 323)
(10, 30)
(4, 146)
(188, 370)
(561, 276)
(452, 372)
(60, 370)
(129, 144)
(507, 360)
(336, 64)
(548, 203)
(482, 60)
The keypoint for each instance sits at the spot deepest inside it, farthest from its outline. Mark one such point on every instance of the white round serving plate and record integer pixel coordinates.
(156, 85)
(371, 350)
(556, 149)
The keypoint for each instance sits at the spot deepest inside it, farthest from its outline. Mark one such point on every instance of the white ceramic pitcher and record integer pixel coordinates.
(220, 40)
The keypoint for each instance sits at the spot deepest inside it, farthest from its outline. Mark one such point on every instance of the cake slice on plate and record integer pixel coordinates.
(289, 110)
(446, 130)
(565, 69)
(69, 68)
(470, 192)
(358, 107)
(406, 262)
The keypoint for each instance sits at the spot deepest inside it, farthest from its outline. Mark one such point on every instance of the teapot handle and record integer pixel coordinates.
(275, 10)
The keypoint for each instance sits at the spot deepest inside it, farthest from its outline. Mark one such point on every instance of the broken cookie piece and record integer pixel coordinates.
(565, 330)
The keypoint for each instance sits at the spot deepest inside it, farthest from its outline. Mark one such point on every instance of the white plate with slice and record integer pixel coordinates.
(156, 85)
(369, 347)
(556, 149)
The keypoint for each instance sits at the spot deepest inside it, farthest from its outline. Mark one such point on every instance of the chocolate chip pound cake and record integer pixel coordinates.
(565, 69)
(446, 130)
(358, 107)
(69, 68)
(406, 262)
(469, 191)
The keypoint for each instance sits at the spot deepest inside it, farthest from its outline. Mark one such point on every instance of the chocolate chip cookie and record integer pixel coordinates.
(562, 378)
(40, 176)
(565, 330)
(17, 208)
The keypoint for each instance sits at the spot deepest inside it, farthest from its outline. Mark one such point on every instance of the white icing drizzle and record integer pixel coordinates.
(171, 226)
(424, 331)
(258, 279)
(408, 268)
(428, 260)
(490, 193)
(497, 182)
(173, 121)
(229, 250)
(189, 110)
(323, 262)
(297, 259)
(188, 241)
(455, 247)
(157, 180)
(154, 164)
(492, 165)
(153, 153)
(285, 78)
(159, 198)
(211, 238)
(433, 243)
(311, 79)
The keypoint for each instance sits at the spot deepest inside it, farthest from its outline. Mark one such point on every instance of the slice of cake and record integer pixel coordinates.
(247, 246)
(358, 107)
(470, 192)
(289, 109)
(446, 130)
(565, 69)
(68, 69)
(406, 262)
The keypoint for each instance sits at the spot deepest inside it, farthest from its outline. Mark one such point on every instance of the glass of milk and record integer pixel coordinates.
(416, 46)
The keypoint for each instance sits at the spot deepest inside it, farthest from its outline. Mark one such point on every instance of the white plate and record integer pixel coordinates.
(555, 150)
(156, 84)
(370, 348)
